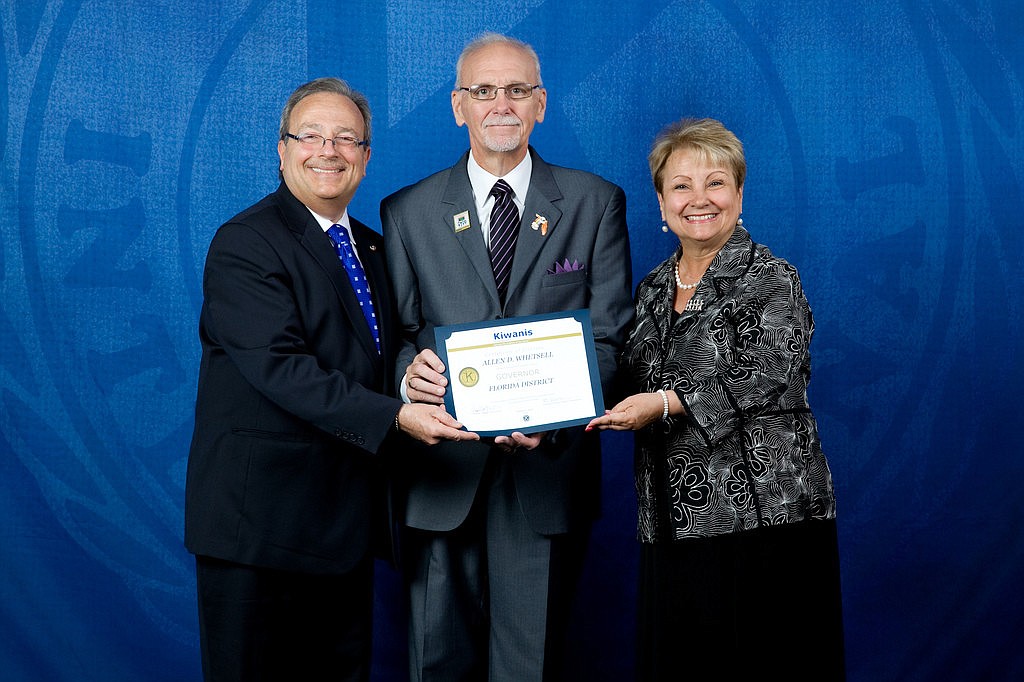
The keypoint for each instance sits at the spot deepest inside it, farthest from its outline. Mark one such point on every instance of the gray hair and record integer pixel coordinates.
(332, 85)
(488, 39)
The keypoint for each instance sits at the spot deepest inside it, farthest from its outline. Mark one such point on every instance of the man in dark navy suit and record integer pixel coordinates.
(298, 344)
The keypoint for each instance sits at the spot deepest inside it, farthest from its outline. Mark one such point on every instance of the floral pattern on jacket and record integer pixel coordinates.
(747, 453)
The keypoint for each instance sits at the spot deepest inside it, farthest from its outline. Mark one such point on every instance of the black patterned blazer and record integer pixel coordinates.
(747, 453)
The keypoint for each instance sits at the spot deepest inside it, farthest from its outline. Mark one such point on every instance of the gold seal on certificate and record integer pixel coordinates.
(522, 374)
(468, 377)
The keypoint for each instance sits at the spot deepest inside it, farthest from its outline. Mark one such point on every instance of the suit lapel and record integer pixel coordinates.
(316, 242)
(319, 246)
(539, 205)
(458, 199)
(371, 255)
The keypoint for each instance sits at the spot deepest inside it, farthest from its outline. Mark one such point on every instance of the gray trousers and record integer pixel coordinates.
(490, 600)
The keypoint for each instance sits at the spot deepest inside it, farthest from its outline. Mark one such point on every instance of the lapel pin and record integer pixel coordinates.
(461, 221)
(540, 222)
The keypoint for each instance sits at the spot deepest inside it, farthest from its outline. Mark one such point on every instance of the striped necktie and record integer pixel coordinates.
(504, 231)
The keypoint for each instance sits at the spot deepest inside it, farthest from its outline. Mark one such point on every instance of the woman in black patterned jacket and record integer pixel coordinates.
(739, 560)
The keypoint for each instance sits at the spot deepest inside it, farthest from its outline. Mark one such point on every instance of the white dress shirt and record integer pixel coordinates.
(326, 224)
(518, 179)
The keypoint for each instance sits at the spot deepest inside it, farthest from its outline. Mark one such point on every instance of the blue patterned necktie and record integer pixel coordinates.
(356, 275)
(504, 230)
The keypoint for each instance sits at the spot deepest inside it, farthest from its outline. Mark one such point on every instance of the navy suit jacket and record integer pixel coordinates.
(443, 276)
(290, 408)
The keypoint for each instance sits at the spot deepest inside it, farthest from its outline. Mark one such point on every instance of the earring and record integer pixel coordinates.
(664, 227)
(739, 222)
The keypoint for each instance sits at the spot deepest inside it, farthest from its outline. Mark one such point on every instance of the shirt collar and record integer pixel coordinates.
(518, 179)
(325, 224)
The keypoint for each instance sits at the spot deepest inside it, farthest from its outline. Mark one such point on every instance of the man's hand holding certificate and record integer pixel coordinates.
(525, 374)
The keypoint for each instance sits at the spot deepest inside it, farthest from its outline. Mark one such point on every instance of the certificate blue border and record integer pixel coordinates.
(442, 334)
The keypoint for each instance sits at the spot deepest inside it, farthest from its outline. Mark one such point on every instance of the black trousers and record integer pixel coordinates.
(758, 604)
(266, 625)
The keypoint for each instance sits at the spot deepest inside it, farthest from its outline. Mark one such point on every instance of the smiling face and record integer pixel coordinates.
(324, 179)
(700, 201)
(499, 129)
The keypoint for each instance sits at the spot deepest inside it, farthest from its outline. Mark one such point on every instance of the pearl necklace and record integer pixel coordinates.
(679, 282)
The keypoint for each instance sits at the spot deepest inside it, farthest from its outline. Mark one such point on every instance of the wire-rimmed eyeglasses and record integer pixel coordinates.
(512, 90)
(315, 141)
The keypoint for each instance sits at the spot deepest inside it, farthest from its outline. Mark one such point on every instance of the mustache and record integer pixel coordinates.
(502, 120)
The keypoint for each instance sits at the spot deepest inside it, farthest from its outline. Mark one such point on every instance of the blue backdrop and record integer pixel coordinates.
(885, 142)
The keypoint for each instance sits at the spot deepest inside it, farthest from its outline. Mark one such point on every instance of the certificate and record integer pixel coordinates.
(523, 374)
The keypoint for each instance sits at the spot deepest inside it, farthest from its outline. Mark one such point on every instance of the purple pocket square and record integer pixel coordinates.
(566, 266)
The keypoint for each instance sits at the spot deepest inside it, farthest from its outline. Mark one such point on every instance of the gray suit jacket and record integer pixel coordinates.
(442, 276)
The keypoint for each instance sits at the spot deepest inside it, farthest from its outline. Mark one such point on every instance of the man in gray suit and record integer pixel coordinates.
(497, 530)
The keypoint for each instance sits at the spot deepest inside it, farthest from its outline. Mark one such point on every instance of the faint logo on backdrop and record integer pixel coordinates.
(881, 162)
(856, 146)
(118, 157)
(119, 183)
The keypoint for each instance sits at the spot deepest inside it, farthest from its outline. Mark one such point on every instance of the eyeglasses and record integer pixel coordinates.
(314, 141)
(512, 91)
